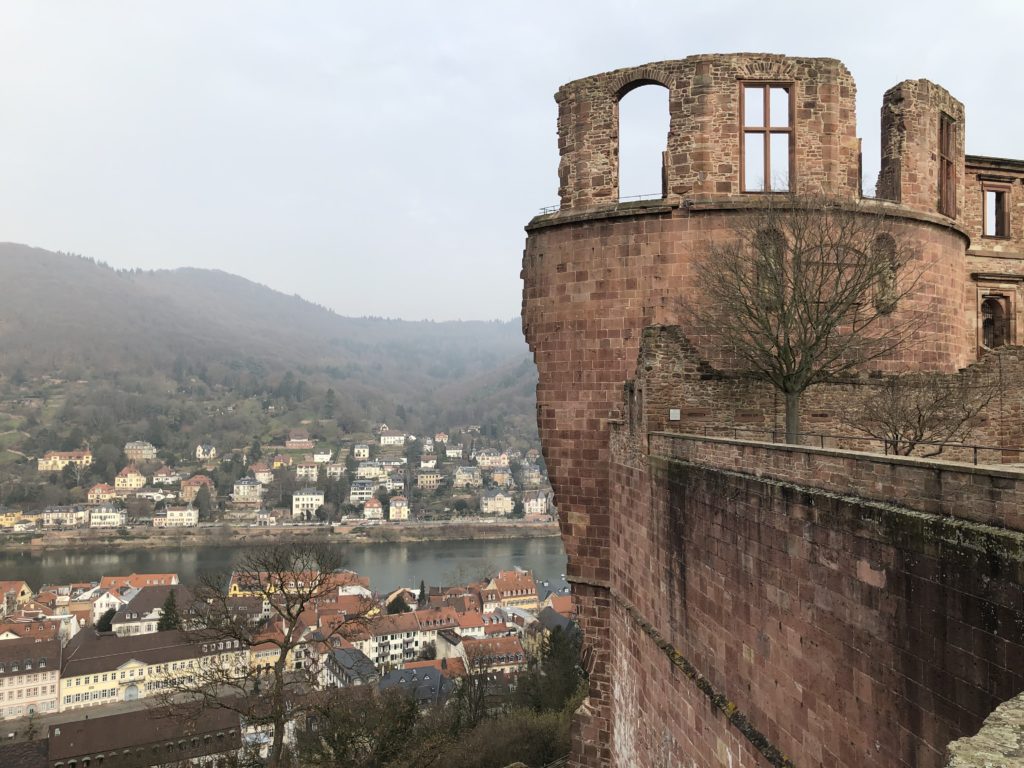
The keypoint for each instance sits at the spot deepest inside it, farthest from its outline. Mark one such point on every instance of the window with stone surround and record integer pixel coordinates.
(766, 137)
(947, 166)
(995, 321)
(995, 209)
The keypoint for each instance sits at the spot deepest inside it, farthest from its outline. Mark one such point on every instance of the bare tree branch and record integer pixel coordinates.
(806, 289)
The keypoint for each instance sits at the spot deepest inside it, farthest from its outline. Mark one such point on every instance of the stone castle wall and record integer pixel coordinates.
(778, 605)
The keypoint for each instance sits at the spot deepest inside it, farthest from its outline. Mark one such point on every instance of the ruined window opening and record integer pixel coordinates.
(884, 256)
(995, 210)
(766, 146)
(643, 141)
(947, 168)
(995, 322)
(770, 266)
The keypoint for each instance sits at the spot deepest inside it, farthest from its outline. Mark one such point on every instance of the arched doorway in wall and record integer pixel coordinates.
(643, 140)
(131, 693)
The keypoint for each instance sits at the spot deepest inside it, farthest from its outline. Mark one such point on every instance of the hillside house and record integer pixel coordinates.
(306, 502)
(166, 476)
(307, 470)
(496, 502)
(373, 509)
(299, 440)
(360, 451)
(55, 461)
(206, 452)
(392, 437)
(129, 479)
(139, 450)
(101, 492)
(398, 509)
(248, 490)
(429, 479)
(190, 488)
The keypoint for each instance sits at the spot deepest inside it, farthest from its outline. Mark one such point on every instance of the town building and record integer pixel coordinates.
(190, 488)
(55, 461)
(371, 470)
(299, 440)
(360, 451)
(29, 677)
(101, 492)
(65, 517)
(516, 589)
(398, 508)
(495, 501)
(129, 479)
(149, 737)
(107, 516)
(105, 668)
(392, 437)
(206, 452)
(501, 476)
(429, 479)
(488, 458)
(306, 502)
(262, 472)
(467, 477)
(373, 509)
(322, 456)
(344, 667)
(453, 451)
(141, 615)
(139, 450)
(361, 490)
(335, 471)
(13, 595)
(248, 490)
(441, 437)
(307, 470)
(395, 482)
(176, 517)
(166, 476)
(536, 503)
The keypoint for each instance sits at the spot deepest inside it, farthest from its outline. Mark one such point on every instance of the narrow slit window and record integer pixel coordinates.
(995, 203)
(767, 141)
(947, 167)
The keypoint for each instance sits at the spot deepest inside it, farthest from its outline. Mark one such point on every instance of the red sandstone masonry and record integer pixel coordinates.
(984, 494)
(848, 632)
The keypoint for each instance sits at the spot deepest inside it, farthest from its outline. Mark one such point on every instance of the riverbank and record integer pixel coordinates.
(239, 537)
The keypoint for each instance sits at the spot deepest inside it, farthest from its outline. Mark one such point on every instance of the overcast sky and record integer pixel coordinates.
(382, 158)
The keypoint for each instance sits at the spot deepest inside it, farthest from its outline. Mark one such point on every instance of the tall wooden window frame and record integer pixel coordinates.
(1001, 221)
(767, 130)
(947, 165)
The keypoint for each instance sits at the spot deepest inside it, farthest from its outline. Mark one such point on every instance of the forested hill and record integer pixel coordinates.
(69, 316)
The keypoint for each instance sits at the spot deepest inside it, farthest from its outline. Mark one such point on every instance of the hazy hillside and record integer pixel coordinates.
(69, 316)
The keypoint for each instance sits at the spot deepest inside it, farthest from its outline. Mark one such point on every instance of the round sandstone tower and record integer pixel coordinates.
(597, 271)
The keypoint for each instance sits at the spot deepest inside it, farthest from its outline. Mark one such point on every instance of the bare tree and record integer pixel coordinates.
(292, 581)
(803, 290)
(923, 410)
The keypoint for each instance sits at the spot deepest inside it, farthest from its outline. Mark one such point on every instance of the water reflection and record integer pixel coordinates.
(387, 564)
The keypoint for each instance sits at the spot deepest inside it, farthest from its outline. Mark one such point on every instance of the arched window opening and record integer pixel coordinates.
(643, 139)
(995, 322)
(883, 256)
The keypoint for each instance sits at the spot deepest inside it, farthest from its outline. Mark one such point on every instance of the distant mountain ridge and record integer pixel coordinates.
(66, 313)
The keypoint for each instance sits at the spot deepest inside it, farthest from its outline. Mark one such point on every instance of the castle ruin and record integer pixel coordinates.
(746, 603)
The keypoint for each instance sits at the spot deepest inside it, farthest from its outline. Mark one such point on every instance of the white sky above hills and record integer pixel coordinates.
(382, 158)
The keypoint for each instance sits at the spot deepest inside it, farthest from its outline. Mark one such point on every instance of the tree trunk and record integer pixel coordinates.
(792, 417)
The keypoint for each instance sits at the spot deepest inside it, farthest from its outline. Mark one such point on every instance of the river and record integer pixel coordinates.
(388, 565)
